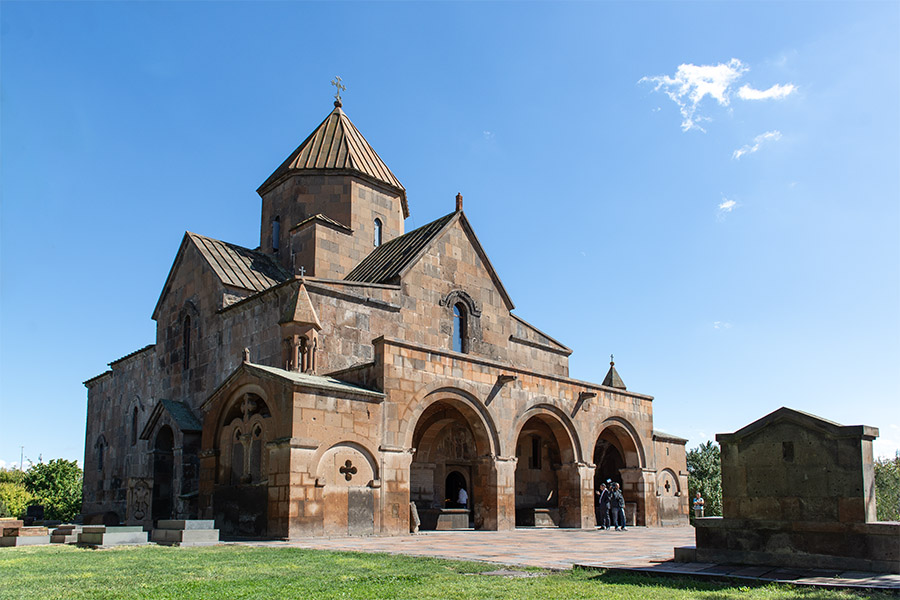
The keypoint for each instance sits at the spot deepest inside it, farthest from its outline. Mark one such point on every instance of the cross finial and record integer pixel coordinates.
(302, 271)
(611, 360)
(336, 82)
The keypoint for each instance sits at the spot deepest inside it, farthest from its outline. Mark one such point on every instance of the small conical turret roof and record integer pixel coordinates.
(300, 310)
(612, 377)
(336, 144)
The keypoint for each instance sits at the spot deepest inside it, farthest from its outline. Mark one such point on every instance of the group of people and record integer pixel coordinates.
(611, 506)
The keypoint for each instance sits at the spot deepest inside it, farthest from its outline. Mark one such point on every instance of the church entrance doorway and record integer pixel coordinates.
(451, 453)
(618, 460)
(163, 474)
(547, 484)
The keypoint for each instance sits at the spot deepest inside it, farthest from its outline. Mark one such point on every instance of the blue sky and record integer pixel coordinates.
(711, 191)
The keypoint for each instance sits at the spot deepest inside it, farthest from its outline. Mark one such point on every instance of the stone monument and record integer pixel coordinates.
(799, 491)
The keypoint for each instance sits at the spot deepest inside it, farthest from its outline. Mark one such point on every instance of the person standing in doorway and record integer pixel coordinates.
(698, 505)
(603, 506)
(463, 499)
(617, 502)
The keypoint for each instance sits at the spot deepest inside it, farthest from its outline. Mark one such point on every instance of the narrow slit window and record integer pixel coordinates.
(186, 344)
(276, 233)
(377, 239)
(459, 328)
(134, 426)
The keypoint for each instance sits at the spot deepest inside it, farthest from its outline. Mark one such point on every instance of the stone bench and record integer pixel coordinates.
(444, 519)
(65, 534)
(188, 532)
(537, 517)
(19, 535)
(102, 536)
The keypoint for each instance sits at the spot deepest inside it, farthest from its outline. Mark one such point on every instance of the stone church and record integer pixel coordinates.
(344, 371)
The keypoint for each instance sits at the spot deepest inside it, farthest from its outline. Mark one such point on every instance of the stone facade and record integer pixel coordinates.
(380, 369)
(799, 491)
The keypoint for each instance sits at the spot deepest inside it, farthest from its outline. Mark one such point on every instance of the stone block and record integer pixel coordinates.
(186, 524)
(112, 536)
(185, 537)
(23, 540)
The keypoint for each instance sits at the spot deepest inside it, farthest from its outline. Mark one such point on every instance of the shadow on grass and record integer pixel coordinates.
(723, 589)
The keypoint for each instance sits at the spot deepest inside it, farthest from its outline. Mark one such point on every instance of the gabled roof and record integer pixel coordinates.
(390, 261)
(180, 412)
(300, 309)
(802, 419)
(337, 144)
(235, 266)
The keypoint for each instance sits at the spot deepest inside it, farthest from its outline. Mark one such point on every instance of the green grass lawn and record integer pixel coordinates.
(225, 572)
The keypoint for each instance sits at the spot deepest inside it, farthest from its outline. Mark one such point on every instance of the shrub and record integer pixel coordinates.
(14, 499)
(56, 485)
(705, 476)
(887, 488)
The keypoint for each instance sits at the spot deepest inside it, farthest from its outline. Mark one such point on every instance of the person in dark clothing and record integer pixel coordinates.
(603, 506)
(617, 507)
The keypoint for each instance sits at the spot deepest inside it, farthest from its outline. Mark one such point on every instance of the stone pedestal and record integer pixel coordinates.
(65, 534)
(102, 536)
(18, 535)
(185, 533)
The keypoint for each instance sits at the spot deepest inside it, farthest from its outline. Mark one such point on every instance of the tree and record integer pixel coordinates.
(705, 476)
(887, 488)
(56, 485)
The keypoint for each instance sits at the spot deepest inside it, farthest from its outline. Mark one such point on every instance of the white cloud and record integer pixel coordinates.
(721, 325)
(776, 92)
(9, 465)
(769, 136)
(692, 83)
(488, 135)
(725, 206)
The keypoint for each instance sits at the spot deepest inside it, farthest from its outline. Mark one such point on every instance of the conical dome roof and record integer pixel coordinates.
(338, 145)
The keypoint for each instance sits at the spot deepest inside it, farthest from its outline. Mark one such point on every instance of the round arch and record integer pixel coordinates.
(466, 402)
(624, 436)
(357, 443)
(559, 423)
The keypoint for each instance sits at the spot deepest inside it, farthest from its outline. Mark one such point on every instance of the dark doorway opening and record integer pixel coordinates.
(163, 474)
(455, 482)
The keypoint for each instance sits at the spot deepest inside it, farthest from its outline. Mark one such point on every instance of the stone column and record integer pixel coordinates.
(495, 493)
(575, 482)
(395, 465)
(639, 486)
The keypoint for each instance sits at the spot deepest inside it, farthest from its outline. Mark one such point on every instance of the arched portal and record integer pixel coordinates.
(619, 458)
(449, 437)
(163, 474)
(547, 484)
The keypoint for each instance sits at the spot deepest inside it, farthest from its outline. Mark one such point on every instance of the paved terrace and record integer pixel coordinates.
(639, 549)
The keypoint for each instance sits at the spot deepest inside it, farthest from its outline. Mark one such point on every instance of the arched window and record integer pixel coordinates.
(377, 232)
(186, 343)
(134, 426)
(459, 328)
(276, 233)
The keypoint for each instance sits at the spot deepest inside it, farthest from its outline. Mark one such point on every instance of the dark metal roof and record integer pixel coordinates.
(182, 414)
(387, 261)
(337, 144)
(239, 267)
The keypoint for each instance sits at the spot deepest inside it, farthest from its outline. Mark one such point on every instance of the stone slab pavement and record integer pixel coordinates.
(546, 548)
(639, 549)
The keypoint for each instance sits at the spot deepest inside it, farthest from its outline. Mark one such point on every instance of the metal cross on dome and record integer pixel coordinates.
(336, 82)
